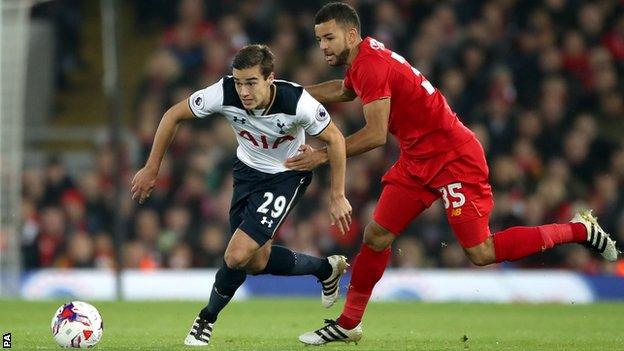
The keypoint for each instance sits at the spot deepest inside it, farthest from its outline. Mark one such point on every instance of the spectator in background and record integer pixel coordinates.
(79, 252)
(185, 38)
(147, 233)
(210, 246)
(50, 240)
(56, 182)
(103, 251)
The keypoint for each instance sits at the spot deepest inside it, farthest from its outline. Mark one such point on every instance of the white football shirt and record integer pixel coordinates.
(267, 137)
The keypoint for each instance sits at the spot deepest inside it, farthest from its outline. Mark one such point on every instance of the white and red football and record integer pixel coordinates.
(77, 324)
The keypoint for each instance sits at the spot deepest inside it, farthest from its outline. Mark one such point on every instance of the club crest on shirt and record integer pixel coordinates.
(321, 114)
(198, 101)
(281, 126)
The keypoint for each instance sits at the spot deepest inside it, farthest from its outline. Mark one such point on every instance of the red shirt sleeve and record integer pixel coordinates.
(370, 80)
(347, 82)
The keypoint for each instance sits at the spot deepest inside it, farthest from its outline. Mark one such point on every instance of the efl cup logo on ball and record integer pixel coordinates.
(77, 324)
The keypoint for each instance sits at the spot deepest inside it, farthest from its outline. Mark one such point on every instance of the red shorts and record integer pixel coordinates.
(459, 177)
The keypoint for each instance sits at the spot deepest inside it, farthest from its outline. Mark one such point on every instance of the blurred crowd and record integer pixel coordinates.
(540, 83)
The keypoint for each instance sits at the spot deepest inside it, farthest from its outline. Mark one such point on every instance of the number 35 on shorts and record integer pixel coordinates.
(452, 195)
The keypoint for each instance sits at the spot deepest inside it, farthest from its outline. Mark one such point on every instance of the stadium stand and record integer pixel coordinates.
(540, 83)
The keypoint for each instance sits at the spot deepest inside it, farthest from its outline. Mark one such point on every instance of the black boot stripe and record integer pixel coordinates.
(339, 332)
(332, 281)
(330, 287)
(328, 293)
(591, 234)
(330, 334)
(603, 247)
(318, 332)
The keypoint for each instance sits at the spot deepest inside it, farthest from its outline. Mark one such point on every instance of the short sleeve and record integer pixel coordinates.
(313, 117)
(207, 101)
(371, 80)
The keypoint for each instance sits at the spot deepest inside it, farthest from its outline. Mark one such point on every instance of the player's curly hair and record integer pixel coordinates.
(343, 13)
(253, 55)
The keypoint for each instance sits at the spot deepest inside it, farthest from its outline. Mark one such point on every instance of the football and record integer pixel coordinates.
(77, 324)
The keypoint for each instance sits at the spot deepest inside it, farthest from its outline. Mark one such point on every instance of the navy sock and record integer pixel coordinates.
(284, 261)
(227, 281)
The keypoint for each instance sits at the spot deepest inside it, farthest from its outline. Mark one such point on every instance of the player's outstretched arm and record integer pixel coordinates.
(331, 91)
(145, 179)
(375, 132)
(371, 136)
(339, 207)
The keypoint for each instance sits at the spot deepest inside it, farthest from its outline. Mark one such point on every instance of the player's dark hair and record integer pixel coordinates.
(253, 55)
(340, 12)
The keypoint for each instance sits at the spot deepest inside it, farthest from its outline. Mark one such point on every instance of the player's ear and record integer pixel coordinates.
(271, 77)
(352, 35)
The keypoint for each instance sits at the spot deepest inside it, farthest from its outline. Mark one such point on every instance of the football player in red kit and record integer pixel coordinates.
(440, 158)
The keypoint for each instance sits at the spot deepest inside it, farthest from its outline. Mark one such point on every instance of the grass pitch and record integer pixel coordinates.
(274, 324)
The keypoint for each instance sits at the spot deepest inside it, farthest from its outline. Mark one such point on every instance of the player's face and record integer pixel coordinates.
(332, 39)
(253, 89)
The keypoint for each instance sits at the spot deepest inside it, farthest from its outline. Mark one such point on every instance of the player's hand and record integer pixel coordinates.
(340, 213)
(143, 183)
(308, 159)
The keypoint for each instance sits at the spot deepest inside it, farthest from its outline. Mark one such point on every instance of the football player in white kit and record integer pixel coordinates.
(270, 118)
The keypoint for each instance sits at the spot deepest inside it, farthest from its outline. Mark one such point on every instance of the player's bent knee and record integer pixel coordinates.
(376, 237)
(480, 261)
(482, 254)
(235, 259)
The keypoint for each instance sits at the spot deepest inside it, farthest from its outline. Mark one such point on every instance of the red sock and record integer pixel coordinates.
(579, 232)
(519, 242)
(368, 268)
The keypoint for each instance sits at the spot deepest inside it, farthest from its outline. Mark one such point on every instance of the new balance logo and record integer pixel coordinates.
(6, 341)
(266, 221)
(239, 120)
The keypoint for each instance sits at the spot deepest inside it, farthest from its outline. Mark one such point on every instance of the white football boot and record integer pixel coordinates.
(331, 285)
(597, 239)
(332, 332)
(200, 333)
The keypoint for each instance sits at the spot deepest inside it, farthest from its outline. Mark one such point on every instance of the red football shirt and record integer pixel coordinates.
(420, 117)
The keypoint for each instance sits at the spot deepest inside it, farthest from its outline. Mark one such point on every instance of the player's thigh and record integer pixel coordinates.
(473, 236)
(402, 199)
(467, 197)
(245, 183)
(468, 206)
(267, 207)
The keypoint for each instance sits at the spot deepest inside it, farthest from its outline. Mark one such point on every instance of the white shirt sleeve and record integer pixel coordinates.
(207, 101)
(313, 117)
